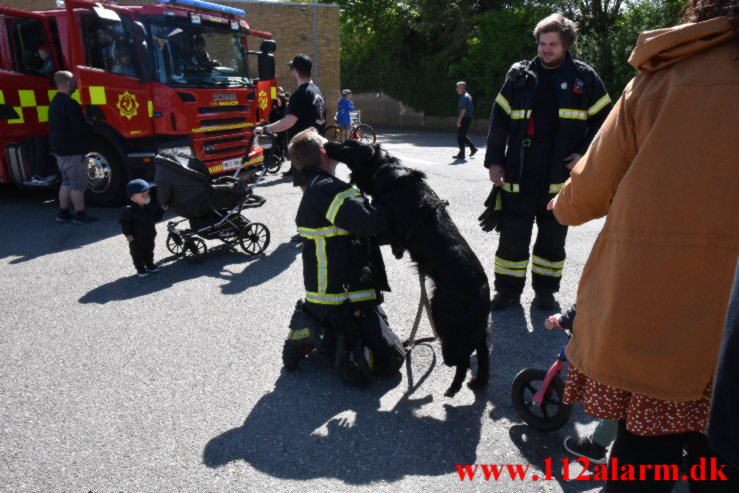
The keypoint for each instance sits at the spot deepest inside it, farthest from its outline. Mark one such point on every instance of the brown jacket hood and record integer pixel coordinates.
(656, 50)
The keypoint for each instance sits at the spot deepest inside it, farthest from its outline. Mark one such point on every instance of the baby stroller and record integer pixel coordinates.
(213, 207)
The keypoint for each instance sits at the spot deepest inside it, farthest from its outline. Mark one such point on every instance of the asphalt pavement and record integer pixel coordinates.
(174, 382)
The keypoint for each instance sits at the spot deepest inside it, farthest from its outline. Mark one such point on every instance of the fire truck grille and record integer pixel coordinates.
(211, 147)
(226, 150)
(215, 122)
(222, 109)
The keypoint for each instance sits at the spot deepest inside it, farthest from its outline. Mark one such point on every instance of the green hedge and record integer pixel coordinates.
(416, 51)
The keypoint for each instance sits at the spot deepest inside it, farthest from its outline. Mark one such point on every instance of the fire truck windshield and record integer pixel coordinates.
(197, 55)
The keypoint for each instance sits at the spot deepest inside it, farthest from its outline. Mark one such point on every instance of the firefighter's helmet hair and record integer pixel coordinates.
(557, 23)
(305, 149)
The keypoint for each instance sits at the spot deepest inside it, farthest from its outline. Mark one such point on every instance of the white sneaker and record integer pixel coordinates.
(143, 274)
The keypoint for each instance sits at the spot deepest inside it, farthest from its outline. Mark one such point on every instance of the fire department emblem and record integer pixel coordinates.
(263, 100)
(127, 105)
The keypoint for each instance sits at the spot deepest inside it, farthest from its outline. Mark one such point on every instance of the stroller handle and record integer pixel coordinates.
(249, 148)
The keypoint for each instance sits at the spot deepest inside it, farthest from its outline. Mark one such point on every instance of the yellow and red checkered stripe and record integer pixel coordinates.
(31, 106)
(30, 102)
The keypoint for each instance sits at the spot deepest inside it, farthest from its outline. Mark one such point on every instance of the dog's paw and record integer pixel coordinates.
(452, 390)
(398, 250)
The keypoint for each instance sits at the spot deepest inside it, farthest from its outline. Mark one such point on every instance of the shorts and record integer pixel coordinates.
(345, 127)
(74, 171)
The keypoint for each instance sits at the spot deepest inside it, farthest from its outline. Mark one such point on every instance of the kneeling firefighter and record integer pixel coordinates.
(343, 272)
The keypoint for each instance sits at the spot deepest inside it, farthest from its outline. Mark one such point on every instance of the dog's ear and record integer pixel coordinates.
(350, 152)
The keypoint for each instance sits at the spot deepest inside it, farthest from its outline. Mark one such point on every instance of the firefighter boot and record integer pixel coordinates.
(299, 344)
(305, 336)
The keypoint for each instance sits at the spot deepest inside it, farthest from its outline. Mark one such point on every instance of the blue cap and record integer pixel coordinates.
(137, 186)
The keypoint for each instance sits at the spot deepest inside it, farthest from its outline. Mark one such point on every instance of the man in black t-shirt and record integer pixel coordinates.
(306, 107)
(69, 142)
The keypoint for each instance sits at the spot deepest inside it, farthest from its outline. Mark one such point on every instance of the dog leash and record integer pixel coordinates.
(422, 303)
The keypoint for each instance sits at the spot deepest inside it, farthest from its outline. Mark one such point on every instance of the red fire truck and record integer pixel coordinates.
(177, 76)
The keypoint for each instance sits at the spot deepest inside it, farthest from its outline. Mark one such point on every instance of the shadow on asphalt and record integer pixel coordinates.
(277, 179)
(311, 426)
(173, 270)
(30, 230)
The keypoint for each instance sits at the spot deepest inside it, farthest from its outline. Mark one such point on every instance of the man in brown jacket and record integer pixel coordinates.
(653, 295)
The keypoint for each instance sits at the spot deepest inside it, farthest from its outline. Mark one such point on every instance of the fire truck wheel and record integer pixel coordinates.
(106, 176)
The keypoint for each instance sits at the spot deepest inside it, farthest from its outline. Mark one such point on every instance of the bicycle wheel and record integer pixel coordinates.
(552, 414)
(365, 134)
(332, 133)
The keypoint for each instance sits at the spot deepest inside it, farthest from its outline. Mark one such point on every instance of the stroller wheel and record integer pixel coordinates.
(175, 244)
(255, 238)
(552, 414)
(194, 250)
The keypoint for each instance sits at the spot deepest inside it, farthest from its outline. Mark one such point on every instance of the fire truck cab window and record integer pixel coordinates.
(197, 55)
(30, 48)
(110, 46)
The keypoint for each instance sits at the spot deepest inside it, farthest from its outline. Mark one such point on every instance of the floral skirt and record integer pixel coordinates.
(644, 415)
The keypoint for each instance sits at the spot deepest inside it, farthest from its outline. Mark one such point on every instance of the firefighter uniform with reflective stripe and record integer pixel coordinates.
(539, 118)
(340, 263)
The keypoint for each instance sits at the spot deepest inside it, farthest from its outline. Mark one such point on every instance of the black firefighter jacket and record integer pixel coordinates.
(340, 260)
(583, 106)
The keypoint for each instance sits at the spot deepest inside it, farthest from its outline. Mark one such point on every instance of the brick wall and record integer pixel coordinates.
(291, 26)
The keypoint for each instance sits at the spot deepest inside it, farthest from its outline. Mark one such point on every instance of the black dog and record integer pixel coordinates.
(420, 224)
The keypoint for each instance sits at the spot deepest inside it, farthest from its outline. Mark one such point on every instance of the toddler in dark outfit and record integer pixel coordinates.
(138, 222)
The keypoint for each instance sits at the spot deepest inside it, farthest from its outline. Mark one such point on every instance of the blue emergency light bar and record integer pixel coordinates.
(205, 5)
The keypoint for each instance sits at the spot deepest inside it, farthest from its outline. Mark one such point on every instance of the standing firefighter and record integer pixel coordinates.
(542, 122)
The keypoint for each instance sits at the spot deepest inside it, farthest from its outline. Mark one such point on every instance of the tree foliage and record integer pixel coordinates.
(416, 50)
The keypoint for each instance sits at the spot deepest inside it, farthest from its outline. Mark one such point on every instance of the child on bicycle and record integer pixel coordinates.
(595, 446)
(343, 117)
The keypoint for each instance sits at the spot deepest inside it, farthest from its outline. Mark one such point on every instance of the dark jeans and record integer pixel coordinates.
(142, 253)
(462, 138)
(637, 450)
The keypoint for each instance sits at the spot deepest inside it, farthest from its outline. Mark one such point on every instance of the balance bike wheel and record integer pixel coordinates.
(553, 413)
